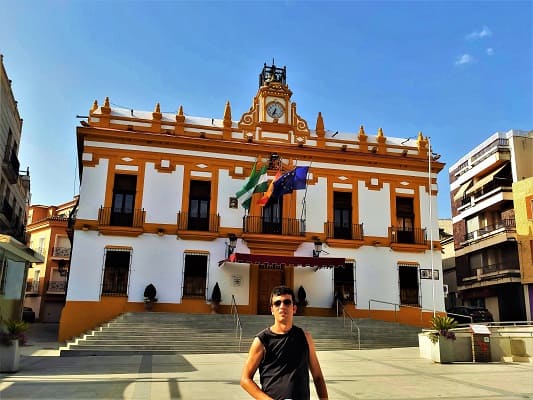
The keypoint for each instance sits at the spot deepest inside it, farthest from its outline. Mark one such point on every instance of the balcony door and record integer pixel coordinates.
(272, 216)
(122, 209)
(199, 204)
(405, 218)
(342, 215)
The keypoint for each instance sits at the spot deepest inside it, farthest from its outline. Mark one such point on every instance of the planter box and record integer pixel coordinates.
(9, 357)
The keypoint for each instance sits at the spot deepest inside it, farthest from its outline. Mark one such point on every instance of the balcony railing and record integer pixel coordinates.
(350, 232)
(407, 236)
(11, 166)
(57, 286)
(108, 217)
(61, 252)
(492, 148)
(32, 286)
(190, 222)
(7, 210)
(505, 225)
(284, 226)
(489, 272)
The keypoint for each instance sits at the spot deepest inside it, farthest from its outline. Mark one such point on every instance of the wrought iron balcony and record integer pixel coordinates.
(505, 225)
(7, 210)
(407, 235)
(191, 222)
(57, 286)
(11, 166)
(350, 232)
(283, 226)
(133, 218)
(61, 252)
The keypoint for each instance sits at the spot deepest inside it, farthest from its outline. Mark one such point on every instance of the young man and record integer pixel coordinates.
(284, 355)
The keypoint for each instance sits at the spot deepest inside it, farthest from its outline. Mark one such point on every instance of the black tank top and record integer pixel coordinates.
(284, 370)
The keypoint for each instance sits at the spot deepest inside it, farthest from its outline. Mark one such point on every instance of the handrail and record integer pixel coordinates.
(400, 306)
(236, 319)
(352, 322)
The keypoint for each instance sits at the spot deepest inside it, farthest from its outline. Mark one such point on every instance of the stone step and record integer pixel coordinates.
(170, 333)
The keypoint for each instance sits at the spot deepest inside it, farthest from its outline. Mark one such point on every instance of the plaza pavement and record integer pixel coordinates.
(350, 374)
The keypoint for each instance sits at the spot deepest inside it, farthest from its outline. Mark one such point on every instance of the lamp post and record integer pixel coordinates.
(431, 227)
(430, 155)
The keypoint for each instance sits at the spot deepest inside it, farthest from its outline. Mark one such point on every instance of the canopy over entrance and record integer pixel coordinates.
(315, 262)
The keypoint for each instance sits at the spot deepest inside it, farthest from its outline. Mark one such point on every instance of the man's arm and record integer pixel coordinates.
(255, 355)
(316, 371)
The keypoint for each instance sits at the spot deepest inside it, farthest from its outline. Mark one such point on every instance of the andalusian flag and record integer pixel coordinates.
(257, 183)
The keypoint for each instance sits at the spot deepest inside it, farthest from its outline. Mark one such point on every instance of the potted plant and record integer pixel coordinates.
(11, 337)
(216, 298)
(442, 338)
(149, 296)
(302, 300)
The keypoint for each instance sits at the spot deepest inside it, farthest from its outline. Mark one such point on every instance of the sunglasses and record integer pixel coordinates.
(287, 302)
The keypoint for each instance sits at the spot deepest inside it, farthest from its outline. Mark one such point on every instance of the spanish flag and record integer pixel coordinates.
(269, 191)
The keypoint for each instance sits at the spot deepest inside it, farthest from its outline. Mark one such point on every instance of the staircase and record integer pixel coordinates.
(171, 333)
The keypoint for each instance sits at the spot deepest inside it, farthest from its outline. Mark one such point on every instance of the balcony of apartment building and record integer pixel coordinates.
(32, 287)
(60, 252)
(121, 221)
(491, 274)
(11, 166)
(496, 152)
(56, 286)
(488, 236)
(488, 191)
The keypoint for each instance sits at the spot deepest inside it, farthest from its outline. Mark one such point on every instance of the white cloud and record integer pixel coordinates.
(490, 51)
(484, 32)
(464, 59)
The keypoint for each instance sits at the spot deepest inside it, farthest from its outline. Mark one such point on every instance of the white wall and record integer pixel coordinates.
(374, 210)
(162, 194)
(92, 190)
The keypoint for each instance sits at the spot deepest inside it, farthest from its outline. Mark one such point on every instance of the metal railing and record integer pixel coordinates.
(32, 286)
(351, 232)
(353, 324)
(190, 222)
(236, 320)
(61, 251)
(57, 286)
(108, 217)
(283, 226)
(407, 236)
(508, 225)
(396, 311)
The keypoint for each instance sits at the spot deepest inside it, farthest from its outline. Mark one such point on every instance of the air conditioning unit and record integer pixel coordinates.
(445, 290)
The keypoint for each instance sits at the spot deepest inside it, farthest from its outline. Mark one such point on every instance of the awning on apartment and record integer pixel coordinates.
(314, 262)
(460, 193)
(486, 179)
(19, 250)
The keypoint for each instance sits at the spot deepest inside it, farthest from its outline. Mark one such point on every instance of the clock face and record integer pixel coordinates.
(275, 109)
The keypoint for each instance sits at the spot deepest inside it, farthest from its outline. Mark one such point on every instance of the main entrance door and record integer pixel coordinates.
(270, 276)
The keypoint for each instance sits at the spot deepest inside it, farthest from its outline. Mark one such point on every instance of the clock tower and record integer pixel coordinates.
(272, 114)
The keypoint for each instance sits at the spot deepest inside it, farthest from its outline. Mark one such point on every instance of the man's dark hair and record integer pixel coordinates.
(280, 290)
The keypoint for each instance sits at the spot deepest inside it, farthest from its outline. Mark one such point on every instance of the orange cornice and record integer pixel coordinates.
(327, 154)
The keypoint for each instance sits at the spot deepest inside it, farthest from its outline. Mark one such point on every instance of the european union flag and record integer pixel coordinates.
(295, 179)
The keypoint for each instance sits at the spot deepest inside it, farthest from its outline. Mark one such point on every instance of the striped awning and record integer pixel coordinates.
(460, 193)
(483, 181)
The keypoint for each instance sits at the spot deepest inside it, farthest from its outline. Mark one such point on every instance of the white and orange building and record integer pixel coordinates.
(158, 205)
(48, 228)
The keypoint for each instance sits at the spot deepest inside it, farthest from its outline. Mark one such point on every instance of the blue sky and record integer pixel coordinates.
(457, 71)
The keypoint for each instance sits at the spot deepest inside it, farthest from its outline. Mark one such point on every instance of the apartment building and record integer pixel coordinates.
(523, 204)
(449, 274)
(484, 227)
(15, 256)
(50, 234)
(186, 203)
